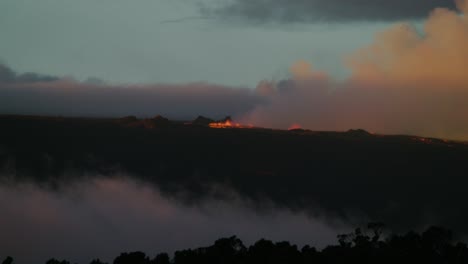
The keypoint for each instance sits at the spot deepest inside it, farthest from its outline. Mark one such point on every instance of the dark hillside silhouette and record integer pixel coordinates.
(202, 121)
(396, 179)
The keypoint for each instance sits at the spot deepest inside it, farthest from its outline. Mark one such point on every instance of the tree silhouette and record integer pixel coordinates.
(364, 246)
(162, 258)
(377, 229)
(132, 258)
(97, 261)
(55, 261)
(8, 260)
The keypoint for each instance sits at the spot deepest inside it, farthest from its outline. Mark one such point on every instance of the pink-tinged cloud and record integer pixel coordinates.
(405, 82)
(105, 217)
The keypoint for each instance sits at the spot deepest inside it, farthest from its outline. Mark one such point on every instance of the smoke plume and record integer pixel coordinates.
(405, 82)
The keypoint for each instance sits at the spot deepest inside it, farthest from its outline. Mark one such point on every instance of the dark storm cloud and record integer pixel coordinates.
(37, 94)
(325, 10)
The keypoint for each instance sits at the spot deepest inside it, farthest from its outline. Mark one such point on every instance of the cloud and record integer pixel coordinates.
(405, 82)
(42, 95)
(261, 11)
(7, 75)
(106, 216)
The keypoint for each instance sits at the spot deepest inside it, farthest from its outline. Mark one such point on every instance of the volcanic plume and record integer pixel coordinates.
(407, 81)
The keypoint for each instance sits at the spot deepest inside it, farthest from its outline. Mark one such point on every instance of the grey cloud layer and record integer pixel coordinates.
(43, 95)
(325, 10)
(7, 75)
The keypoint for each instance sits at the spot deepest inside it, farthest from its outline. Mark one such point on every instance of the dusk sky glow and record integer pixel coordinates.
(129, 42)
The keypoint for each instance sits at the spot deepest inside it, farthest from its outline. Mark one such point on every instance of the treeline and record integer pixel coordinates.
(367, 245)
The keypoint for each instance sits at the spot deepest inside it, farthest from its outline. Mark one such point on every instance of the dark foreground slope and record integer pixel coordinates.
(404, 181)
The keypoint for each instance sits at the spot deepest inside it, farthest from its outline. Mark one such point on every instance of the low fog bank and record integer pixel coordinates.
(103, 217)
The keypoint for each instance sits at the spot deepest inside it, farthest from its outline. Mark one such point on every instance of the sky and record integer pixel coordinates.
(167, 41)
(394, 68)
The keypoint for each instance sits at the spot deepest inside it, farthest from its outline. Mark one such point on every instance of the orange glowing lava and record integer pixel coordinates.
(295, 126)
(228, 124)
